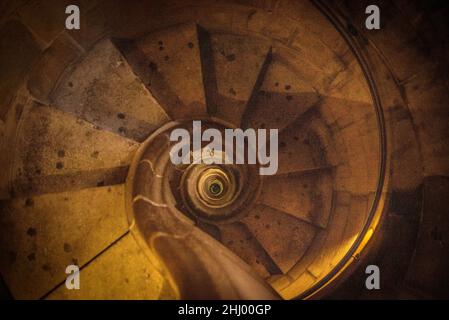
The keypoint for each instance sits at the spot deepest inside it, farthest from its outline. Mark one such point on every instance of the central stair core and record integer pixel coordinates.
(212, 193)
(217, 193)
(216, 186)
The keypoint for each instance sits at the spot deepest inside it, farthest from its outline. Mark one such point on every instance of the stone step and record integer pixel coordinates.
(306, 196)
(46, 233)
(102, 89)
(58, 152)
(122, 272)
(237, 67)
(169, 64)
(283, 96)
(242, 242)
(284, 237)
(303, 146)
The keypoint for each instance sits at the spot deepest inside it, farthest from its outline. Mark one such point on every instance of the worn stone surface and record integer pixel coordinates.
(102, 89)
(428, 96)
(266, 224)
(18, 51)
(55, 150)
(332, 237)
(40, 236)
(405, 152)
(8, 129)
(355, 221)
(354, 130)
(283, 95)
(236, 63)
(311, 23)
(214, 19)
(117, 19)
(306, 195)
(47, 18)
(302, 283)
(161, 60)
(122, 272)
(51, 65)
(242, 242)
(310, 135)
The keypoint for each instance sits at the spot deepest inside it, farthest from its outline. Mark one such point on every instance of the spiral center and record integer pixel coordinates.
(216, 187)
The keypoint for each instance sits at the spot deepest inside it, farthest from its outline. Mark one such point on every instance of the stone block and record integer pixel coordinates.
(18, 52)
(47, 71)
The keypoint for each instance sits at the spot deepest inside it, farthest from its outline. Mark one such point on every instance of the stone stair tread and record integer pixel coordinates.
(102, 89)
(47, 233)
(307, 196)
(124, 272)
(305, 135)
(238, 63)
(281, 98)
(58, 152)
(241, 241)
(284, 237)
(169, 64)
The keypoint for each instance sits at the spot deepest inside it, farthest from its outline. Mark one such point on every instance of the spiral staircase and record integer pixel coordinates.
(86, 120)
